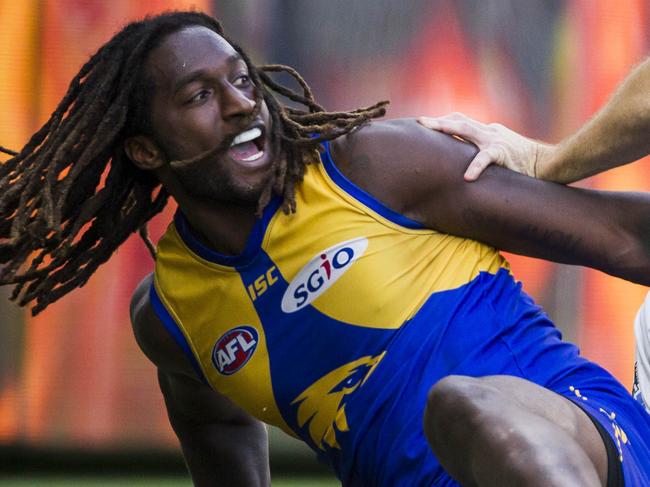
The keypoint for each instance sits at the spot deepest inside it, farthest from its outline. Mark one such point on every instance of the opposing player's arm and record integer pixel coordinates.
(616, 135)
(419, 173)
(221, 443)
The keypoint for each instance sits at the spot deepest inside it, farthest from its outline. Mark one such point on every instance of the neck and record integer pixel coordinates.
(223, 227)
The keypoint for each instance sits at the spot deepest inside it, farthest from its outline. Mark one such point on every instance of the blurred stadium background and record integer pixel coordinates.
(77, 398)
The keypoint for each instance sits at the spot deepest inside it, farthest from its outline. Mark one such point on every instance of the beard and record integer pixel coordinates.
(210, 181)
(210, 177)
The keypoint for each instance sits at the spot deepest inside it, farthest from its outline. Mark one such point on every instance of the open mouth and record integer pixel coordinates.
(247, 146)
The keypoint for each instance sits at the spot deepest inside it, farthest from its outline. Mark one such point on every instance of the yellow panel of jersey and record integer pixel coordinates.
(291, 328)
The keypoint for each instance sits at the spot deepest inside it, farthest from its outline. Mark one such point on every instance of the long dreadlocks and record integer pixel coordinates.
(71, 196)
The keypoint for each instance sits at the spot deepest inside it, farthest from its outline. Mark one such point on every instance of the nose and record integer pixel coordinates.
(236, 103)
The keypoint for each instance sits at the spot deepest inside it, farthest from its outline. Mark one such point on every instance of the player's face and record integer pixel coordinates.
(204, 98)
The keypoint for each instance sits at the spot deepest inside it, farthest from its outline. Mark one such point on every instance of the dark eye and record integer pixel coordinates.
(200, 96)
(242, 80)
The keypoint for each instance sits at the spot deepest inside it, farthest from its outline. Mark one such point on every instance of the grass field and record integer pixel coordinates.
(143, 481)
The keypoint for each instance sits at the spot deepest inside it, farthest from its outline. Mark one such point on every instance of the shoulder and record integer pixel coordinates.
(151, 335)
(399, 162)
(400, 140)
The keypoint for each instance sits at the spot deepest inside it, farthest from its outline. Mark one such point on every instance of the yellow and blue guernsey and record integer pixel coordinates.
(335, 321)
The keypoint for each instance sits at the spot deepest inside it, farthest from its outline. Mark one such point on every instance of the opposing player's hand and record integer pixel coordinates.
(497, 144)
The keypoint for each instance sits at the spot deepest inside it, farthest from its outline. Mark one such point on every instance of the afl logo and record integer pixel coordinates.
(321, 272)
(234, 349)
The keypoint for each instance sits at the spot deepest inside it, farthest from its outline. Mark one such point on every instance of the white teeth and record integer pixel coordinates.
(254, 157)
(250, 134)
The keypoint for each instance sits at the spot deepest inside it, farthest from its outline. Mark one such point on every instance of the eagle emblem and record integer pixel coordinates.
(322, 404)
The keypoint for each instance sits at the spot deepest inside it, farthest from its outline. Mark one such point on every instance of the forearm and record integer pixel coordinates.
(225, 454)
(616, 135)
(626, 252)
(221, 443)
(607, 231)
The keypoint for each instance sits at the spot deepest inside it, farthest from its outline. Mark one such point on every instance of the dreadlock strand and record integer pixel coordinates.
(88, 211)
(143, 231)
(10, 152)
(36, 262)
(293, 73)
(302, 116)
(22, 250)
(27, 204)
(275, 184)
(289, 93)
(101, 254)
(93, 116)
(87, 124)
(10, 194)
(94, 152)
(90, 249)
(37, 138)
(66, 268)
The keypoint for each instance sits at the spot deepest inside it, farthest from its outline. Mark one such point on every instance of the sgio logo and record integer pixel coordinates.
(321, 272)
(234, 349)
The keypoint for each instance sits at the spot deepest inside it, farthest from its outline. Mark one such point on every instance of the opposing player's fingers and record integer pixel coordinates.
(467, 130)
(482, 160)
(454, 117)
(429, 122)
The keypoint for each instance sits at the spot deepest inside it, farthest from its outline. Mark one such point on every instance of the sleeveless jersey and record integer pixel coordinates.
(336, 320)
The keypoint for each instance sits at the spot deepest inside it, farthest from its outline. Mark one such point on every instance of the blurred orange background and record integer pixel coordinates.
(73, 376)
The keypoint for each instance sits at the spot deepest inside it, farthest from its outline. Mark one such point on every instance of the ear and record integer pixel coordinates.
(144, 152)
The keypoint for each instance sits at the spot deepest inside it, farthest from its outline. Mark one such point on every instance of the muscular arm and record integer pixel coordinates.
(619, 133)
(221, 443)
(420, 174)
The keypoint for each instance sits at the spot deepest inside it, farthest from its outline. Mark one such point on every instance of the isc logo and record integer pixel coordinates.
(321, 272)
(262, 283)
(234, 349)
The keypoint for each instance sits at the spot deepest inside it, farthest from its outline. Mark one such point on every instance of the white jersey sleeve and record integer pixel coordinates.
(641, 388)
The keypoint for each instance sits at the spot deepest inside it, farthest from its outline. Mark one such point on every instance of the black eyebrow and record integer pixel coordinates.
(198, 74)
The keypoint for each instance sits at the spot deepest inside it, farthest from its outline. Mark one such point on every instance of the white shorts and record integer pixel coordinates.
(641, 388)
